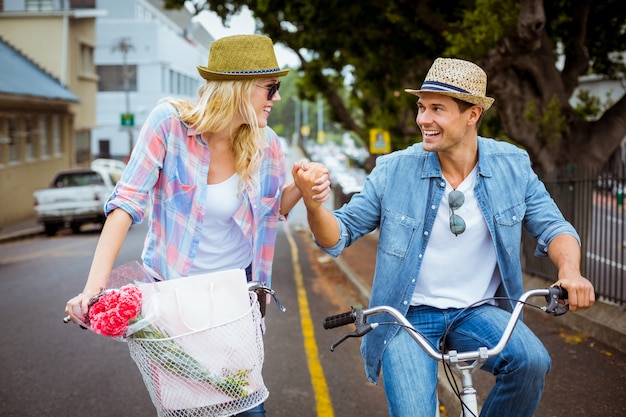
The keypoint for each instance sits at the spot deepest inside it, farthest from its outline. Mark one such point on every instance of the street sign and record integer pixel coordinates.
(127, 120)
(379, 141)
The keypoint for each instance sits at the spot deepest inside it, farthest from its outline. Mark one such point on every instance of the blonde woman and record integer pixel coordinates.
(213, 174)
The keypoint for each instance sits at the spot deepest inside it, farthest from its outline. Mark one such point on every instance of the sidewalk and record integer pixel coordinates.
(21, 230)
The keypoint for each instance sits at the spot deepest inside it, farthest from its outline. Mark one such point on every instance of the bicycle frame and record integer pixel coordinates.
(463, 363)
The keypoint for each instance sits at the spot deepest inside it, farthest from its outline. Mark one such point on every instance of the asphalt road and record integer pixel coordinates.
(58, 370)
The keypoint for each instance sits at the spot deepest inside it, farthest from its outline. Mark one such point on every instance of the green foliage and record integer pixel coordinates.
(591, 107)
(361, 55)
(481, 28)
(552, 124)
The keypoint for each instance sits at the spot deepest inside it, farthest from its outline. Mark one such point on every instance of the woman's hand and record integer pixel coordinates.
(78, 306)
(319, 180)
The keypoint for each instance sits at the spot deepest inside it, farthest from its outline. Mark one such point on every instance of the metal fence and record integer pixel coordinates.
(593, 201)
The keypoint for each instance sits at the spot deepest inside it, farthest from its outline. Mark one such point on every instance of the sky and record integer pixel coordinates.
(243, 23)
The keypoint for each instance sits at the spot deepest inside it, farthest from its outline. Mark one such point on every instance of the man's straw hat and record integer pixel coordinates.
(459, 79)
(241, 57)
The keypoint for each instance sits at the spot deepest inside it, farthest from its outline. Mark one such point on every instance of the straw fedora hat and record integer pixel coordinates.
(241, 57)
(459, 79)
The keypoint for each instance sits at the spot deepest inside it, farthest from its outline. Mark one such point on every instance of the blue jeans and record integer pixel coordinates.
(410, 376)
(258, 411)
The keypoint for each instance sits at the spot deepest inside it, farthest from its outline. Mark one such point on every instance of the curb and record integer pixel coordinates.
(21, 234)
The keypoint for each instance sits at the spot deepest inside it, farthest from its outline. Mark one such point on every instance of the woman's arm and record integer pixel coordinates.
(109, 244)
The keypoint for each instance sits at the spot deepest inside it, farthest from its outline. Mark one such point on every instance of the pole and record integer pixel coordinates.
(320, 119)
(124, 46)
(296, 122)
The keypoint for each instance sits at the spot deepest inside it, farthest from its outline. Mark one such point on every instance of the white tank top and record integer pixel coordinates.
(458, 270)
(222, 243)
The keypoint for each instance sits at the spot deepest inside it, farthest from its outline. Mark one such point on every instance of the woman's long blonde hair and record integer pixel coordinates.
(218, 103)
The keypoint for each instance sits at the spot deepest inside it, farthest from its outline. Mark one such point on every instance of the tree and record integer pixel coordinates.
(384, 46)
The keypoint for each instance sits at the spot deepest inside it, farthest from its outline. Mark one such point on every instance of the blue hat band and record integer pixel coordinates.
(253, 72)
(437, 86)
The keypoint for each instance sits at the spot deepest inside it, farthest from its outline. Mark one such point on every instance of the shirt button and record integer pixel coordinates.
(413, 280)
(432, 207)
(405, 302)
(426, 233)
(419, 256)
(384, 342)
(514, 217)
(402, 218)
(442, 184)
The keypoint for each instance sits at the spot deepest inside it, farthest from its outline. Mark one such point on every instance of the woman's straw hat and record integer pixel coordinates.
(241, 57)
(459, 79)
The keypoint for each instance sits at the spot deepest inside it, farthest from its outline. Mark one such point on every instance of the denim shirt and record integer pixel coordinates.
(401, 197)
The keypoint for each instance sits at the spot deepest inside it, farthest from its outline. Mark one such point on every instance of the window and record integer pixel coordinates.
(86, 59)
(14, 154)
(4, 141)
(39, 5)
(43, 138)
(57, 135)
(112, 77)
(78, 179)
(29, 137)
(83, 146)
(82, 4)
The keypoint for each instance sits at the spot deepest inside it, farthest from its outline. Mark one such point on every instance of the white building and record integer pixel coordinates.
(159, 51)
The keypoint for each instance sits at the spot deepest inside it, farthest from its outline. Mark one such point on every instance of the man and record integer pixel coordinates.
(450, 212)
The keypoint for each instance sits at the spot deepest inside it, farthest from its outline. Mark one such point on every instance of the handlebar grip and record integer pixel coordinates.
(340, 319)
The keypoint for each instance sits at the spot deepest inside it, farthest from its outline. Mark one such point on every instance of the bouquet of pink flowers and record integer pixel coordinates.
(116, 313)
(112, 311)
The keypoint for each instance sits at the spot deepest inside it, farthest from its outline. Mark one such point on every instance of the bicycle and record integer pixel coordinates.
(461, 363)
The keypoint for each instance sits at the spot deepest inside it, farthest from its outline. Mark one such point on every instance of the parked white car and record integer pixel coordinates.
(113, 166)
(74, 197)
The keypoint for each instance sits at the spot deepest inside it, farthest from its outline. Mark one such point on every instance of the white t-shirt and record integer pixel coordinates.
(458, 270)
(222, 243)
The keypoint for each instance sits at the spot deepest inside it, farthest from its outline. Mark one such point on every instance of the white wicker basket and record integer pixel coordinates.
(211, 372)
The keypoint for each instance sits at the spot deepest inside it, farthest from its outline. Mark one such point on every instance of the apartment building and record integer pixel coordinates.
(47, 108)
(89, 72)
(142, 55)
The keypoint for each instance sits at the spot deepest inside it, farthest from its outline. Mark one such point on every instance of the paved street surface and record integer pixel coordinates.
(57, 370)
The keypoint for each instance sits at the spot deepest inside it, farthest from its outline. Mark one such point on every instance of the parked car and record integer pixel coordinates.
(74, 197)
(113, 166)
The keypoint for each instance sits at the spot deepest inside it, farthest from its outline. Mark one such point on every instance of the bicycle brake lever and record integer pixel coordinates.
(554, 307)
(360, 331)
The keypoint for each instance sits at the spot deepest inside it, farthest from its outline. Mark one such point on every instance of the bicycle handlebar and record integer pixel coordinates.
(259, 287)
(358, 316)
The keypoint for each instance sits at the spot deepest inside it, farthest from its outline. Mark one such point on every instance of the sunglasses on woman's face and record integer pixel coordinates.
(271, 89)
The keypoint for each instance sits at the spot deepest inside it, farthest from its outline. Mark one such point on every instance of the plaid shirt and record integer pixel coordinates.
(167, 167)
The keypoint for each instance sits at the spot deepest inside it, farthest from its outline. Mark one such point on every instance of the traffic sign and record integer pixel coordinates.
(379, 141)
(127, 120)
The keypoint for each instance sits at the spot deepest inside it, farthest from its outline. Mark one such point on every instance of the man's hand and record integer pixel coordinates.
(580, 292)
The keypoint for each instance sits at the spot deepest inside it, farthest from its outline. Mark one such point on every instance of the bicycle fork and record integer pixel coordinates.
(469, 402)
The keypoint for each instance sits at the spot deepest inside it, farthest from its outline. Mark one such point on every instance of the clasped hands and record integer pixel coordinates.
(313, 181)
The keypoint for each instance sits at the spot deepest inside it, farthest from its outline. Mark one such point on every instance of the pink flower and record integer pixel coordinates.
(114, 310)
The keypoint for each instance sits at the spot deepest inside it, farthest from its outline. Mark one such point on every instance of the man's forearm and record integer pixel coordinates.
(323, 225)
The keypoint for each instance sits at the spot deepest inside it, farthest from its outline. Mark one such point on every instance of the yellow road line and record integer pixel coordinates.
(318, 381)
